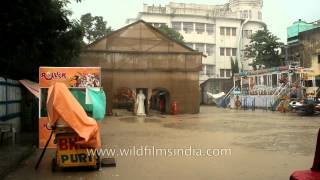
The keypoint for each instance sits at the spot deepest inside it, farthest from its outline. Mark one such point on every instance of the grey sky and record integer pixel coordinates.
(277, 14)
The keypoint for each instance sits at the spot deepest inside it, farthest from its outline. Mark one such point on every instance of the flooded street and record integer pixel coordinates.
(264, 145)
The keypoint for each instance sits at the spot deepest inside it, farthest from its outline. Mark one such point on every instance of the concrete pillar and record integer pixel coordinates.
(249, 85)
(181, 26)
(194, 27)
(241, 84)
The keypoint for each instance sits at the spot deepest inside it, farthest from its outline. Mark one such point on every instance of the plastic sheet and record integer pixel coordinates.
(98, 99)
(61, 104)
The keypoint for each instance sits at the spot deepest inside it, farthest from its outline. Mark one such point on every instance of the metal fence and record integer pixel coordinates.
(10, 102)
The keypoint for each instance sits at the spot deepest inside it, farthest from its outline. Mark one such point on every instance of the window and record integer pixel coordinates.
(176, 26)
(234, 51)
(221, 72)
(200, 47)
(199, 28)
(234, 31)
(265, 80)
(209, 49)
(259, 15)
(221, 51)
(228, 51)
(228, 31)
(157, 25)
(274, 80)
(247, 33)
(308, 83)
(188, 27)
(228, 73)
(222, 31)
(244, 14)
(210, 70)
(210, 28)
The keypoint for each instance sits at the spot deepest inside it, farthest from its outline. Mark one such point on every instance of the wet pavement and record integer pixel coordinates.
(265, 145)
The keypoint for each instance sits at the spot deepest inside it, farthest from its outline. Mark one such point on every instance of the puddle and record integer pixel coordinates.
(140, 120)
(152, 120)
(292, 142)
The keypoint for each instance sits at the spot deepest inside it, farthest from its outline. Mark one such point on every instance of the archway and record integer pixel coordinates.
(123, 98)
(160, 100)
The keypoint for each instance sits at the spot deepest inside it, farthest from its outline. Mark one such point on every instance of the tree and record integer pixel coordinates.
(234, 66)
(36, 33)
(94, 27)
(171, 33)
(264, 49)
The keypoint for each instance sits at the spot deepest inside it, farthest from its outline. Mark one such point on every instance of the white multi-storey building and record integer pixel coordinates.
(220, 31)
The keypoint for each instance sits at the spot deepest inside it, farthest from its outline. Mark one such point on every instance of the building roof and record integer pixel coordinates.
(310, 31)
(139, 37)
(298, 27)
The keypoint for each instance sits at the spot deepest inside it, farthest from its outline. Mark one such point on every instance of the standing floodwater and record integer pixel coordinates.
(253, 144)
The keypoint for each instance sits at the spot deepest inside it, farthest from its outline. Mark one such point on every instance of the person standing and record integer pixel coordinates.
(140, 104)
(161, 105)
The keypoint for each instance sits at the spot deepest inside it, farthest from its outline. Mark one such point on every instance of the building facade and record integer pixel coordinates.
(305, 52)
(311, 50)
(302, 44)
(219, 31)
(140, 57)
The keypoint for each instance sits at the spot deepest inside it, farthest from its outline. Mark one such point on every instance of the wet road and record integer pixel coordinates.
(264, 146)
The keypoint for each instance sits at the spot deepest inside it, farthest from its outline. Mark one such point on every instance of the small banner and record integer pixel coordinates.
(81, 77)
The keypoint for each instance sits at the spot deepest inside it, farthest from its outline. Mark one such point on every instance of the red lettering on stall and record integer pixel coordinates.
(63, 143)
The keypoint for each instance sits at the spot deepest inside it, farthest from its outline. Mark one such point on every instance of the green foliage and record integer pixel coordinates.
(264, 49)
(36, 33)
(234, 66)
(171, 33)
(94, 27)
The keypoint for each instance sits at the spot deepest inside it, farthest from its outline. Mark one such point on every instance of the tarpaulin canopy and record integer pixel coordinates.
(81, 97)
(61, 104)
(216, 96)
(299, 26)
(31, 86)
(97, 104)
(98, 99)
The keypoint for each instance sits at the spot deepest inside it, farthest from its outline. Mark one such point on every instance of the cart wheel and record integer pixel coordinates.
(53, 165)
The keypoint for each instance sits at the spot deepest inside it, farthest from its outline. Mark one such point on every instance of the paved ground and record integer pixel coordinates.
(11, 155)
(264, 146)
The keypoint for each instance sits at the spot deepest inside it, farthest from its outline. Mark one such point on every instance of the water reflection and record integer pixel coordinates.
(140, 119)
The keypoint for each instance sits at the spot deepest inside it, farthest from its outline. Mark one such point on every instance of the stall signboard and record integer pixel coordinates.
(70, 154)
(73, 77)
